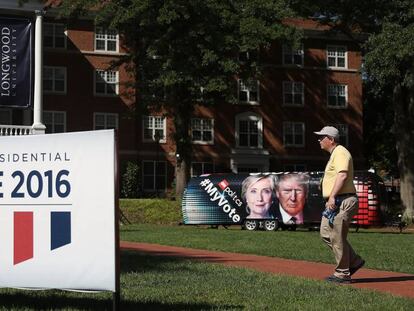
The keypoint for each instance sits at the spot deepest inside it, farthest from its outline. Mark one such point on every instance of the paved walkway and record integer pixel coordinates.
(392, 282)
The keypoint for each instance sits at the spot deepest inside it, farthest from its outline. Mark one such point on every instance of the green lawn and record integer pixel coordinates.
(160, 283)
(382, 250)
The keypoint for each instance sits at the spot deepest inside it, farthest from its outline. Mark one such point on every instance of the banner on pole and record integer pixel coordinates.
(16, 62)
(57, 211)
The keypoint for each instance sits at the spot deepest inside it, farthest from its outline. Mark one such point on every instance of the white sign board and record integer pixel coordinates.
(57, 211)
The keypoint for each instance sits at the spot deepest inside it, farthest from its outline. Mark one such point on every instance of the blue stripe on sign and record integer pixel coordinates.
(60, 231)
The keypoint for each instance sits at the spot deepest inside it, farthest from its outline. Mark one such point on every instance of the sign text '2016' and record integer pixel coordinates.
(35, 183)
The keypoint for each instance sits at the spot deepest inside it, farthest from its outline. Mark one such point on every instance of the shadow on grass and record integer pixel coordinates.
(11, 299)
(56, 300)
(133, 261)
(24, 301)
(383, 280)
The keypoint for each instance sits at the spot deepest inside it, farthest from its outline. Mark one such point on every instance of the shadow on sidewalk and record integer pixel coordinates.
(383, 280)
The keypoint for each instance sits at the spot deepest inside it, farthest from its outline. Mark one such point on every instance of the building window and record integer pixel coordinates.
(54, 80)
(106, 40)
(200, 168)
(337, 95)
(202, 131)
(154, 175)
(55, 121)
(102, 121)
(54, 36)
(343, 133)
(292, 57)
(293, 93)
(249, 131)
(248, 91)
(294, 134)
(295, 168)
(337, 56)
(154, 129)
(106, 82)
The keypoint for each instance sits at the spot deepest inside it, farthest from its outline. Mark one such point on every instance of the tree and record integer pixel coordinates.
(379, 139)
(389, 65)
(185, 52)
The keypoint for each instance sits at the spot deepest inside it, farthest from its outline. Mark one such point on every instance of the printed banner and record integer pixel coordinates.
(290, 197)
(57, 211)
(16, 62)
(232, 198)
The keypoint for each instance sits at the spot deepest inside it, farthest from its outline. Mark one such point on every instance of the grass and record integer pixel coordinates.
(154, 211)
(160, 283)
(381, 250)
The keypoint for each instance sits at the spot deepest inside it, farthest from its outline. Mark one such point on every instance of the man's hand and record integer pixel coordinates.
(330, 203)
(339, 182)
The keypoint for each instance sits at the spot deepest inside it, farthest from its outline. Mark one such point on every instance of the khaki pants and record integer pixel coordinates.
(335, 236)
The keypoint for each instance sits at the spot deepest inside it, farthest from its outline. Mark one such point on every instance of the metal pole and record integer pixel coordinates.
(117, 294)
(38, 126)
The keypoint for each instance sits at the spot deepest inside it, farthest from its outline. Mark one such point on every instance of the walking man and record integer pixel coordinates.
(341, 201)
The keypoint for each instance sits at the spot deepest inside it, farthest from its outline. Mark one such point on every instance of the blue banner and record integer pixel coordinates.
(16, 62)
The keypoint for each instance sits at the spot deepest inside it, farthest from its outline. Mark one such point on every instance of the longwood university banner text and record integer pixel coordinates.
(16, 62)
(57, 211)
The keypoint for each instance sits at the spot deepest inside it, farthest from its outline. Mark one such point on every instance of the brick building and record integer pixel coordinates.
(269, 129)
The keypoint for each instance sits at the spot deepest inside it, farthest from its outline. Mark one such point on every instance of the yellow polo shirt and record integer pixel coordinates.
(340, 160)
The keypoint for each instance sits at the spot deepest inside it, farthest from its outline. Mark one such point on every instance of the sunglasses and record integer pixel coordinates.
(323, 137)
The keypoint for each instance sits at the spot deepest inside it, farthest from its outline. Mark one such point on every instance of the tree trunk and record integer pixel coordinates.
(182, 118)
(181, 177)
(404, 131)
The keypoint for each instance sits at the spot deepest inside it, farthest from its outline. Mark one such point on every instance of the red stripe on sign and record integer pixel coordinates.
(23, 236)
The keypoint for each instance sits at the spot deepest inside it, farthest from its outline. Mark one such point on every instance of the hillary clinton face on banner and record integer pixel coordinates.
(258, 195)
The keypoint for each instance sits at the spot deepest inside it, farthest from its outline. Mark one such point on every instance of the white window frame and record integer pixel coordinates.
(203, 170)
(203, 128)
(287, 52)
(291, 126)
(334, 52)
(55, 34)
(250, 116)
(105, 78)
(54, 113)
(242, 87)
(336, 90)
(105, 115)
(152, 126)
(55, 69)
(154, 176)
(295, 88)
(343, 133)
(103, 34)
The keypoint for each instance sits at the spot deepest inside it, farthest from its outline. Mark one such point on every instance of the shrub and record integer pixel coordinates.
(129, 183)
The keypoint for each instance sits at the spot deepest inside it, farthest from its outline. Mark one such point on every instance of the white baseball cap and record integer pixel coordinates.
(328, 131)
